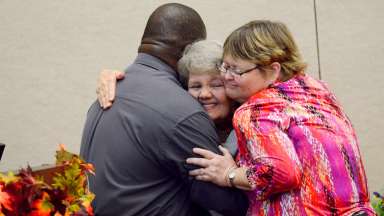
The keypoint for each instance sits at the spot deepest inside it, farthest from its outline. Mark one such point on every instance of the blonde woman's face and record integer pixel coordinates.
(209, 90)
(241, 88)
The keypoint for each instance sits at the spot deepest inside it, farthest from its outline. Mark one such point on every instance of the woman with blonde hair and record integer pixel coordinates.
(298, 152)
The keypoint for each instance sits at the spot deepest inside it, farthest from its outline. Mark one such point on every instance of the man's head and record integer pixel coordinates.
(169, 29)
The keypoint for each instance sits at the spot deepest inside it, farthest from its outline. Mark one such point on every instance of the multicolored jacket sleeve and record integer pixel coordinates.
(265, 148)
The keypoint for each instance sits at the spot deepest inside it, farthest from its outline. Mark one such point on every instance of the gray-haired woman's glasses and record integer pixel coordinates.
(236, 72)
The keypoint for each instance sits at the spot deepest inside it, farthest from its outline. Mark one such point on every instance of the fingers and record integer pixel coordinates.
(202, 162)
(200, 175)
(119, 75)
(111, 84)
(111, 88)
(205, 153)
(101, 96)
(196, 172)
(204, 178)
(106, 86)
(100, 90)
(225, 151)
(107, 104)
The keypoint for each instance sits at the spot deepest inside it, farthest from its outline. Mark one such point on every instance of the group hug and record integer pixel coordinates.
(193, 127)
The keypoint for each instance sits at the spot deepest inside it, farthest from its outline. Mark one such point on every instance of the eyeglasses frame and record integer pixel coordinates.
(224, 70)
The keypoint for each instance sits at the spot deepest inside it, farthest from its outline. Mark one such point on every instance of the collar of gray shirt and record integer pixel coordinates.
(155, 63)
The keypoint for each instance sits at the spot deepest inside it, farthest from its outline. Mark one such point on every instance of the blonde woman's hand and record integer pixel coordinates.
(214, 167)
(106, 86)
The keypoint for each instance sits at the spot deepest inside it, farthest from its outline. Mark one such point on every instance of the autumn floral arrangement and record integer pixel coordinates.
(67, 194)
(378, 203)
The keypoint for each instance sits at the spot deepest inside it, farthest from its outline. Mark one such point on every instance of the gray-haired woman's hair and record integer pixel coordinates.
(199, 58)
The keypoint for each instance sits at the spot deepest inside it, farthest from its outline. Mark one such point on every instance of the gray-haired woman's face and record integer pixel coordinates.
(209, 90)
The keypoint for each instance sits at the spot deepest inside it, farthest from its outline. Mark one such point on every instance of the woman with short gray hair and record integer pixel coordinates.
(198, 71)
(198, 68)
(200, 57)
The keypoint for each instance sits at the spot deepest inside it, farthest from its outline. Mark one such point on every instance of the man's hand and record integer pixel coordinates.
(106, 86)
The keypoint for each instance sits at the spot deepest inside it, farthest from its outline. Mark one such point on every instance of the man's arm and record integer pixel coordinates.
(93, 117)
(198, 131)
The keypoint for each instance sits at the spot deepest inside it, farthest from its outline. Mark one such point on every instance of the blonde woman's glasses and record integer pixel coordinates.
(236, 72)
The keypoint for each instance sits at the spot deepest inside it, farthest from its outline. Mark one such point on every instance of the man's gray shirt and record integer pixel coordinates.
(139, 147)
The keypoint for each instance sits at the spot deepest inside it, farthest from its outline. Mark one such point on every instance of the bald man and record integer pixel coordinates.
(139, 146)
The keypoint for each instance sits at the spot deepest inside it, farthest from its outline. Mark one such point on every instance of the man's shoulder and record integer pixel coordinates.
(156, 93)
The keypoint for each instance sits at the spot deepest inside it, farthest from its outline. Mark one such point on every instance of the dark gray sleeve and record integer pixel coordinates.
(231, 143)
(93, 116)
(198, 131)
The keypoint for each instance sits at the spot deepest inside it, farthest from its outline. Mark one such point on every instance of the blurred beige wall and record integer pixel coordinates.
(51, 52)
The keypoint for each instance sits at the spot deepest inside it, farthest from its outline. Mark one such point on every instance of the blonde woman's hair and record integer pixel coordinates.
(264, 42)
(200, 57)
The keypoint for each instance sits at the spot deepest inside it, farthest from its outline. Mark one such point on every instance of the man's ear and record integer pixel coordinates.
(276, 71)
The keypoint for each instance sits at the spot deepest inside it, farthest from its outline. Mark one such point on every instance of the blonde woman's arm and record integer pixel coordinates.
(219, 169)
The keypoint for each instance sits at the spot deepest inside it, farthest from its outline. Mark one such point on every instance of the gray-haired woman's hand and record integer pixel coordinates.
(106, 86)
(214, 167)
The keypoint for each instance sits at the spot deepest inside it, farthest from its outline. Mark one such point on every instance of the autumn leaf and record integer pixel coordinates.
(24, 194)
(42, 207)
(88, 167)
(63, 156)
(5, 200)
(9, 178)
(378, 203)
